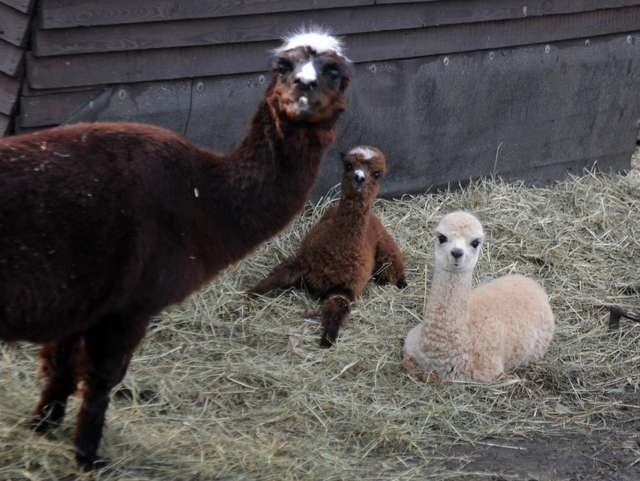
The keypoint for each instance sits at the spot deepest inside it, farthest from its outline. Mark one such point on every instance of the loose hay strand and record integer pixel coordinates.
(237, 387)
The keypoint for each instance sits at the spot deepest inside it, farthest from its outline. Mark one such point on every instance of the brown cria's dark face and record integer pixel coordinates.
(364, 169)
(308, 85)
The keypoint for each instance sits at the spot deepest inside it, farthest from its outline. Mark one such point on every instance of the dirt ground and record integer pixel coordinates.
(573, 457)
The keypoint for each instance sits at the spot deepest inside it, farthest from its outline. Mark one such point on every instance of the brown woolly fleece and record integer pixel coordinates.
(345, 248)
(103, 225)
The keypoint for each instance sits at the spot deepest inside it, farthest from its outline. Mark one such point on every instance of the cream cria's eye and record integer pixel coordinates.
(475, 243)
(442, 238)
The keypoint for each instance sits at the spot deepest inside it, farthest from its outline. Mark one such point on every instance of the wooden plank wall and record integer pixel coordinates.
(147, 59)
(87, 45)
(15, 18)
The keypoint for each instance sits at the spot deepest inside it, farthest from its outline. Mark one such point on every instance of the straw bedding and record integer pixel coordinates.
(228, 387)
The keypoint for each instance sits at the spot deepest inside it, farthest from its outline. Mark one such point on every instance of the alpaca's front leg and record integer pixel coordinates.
(485, 368)
(334, 312)
(389, 267)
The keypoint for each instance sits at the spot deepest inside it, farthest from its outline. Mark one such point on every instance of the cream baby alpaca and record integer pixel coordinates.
(476, 334)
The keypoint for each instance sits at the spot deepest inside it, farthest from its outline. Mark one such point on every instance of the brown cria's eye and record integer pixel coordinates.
(475, 243)
(442, 238)
(348, 167)
(377, 174)
(284, 66)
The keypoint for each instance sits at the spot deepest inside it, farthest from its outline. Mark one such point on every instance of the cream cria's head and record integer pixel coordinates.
(458, 238)
(310, 76)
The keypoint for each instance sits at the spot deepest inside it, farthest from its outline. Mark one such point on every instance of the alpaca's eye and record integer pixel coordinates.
(284, 66)
(332, 71)
(348, 167)
(442, 238)
(376, 174)
(475, 243)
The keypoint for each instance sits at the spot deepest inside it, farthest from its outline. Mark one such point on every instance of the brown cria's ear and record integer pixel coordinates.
(346, 165)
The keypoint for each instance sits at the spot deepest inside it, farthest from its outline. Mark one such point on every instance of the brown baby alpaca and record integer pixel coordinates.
(345, 248)
(104, 225)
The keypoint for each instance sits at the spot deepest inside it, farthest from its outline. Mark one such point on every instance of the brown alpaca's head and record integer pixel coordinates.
(364, 169)
(310, 76)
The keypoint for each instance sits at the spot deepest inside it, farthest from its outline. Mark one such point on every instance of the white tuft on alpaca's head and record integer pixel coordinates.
(318, 40)
(364, 151)
(459, 236)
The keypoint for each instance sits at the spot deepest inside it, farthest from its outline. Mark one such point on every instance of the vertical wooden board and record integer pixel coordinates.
(64, 14)
(24, 6)
(10, 58)
(9, 89)
(4, 124)
(13, 25)
(52, 109)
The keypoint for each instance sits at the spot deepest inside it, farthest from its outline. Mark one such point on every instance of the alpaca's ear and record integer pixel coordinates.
(347, 75)
(342, 155)
(344, 83)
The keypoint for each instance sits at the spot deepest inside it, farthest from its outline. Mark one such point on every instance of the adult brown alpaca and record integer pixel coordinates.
(345, 248)
(103, 225)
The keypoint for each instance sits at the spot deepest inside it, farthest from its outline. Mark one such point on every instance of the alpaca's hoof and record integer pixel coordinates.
(401, 284)
(41, 425)
(47, 418)
(328, 340)
(91, 463)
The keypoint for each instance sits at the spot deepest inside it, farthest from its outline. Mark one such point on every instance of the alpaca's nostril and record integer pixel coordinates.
(358, 176)
(457, 253)
(305, 84)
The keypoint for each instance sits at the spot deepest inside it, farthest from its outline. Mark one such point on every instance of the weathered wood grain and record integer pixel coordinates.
(62, 13)
(13, 25)
(25, 6)
(520, 113)
(491, 35)
(9, 90)
(52, 108)
(10, 58)
(164, 64)
(4, 124)
(253, 28)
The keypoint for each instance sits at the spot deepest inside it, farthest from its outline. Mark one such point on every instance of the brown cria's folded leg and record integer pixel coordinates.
(334, 312)
(288, 274)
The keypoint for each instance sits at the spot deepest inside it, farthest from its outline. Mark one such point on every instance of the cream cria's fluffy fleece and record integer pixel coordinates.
(476, 334)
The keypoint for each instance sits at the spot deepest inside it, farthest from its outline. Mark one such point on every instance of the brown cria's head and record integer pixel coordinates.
(364, 169)
(310, 76)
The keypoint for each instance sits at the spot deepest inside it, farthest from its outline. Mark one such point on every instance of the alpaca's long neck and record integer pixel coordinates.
(352, 219)
(257, 189)
(447, 314)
